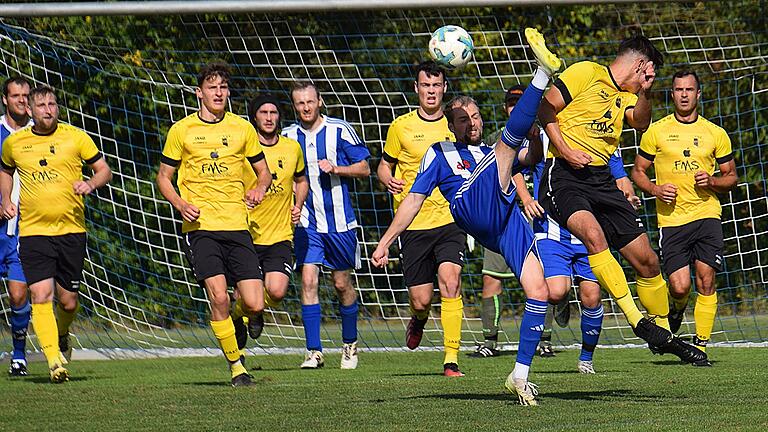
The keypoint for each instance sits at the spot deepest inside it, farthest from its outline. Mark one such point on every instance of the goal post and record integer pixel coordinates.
(125, 77)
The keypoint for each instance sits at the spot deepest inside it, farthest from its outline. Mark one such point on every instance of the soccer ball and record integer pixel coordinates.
(451, 47)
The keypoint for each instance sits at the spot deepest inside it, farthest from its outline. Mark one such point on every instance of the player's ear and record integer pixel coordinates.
(199, 92)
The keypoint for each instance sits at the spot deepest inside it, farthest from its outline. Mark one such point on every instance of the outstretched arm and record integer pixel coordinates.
(405, 214)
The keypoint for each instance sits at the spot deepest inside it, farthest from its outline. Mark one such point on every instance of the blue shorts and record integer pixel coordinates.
(10, 266)
(564, 259)
(336, 251)
(490, 215)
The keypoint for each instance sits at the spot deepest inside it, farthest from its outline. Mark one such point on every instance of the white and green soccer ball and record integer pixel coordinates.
(451, 47)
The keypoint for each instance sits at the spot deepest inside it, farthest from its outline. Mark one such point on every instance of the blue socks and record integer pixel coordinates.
(311, 316)
(591, 324)
(348, 322)
(522, 117)
(19, 324)
(531, 328)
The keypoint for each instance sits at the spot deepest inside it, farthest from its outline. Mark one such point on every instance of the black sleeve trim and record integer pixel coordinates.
(725, 159)
(563, 90)
(168, 161)
(646, 155)
(7, 167)
(93, 160)
(254, 159)
(388, 158)
(629, 108)
(301, 173)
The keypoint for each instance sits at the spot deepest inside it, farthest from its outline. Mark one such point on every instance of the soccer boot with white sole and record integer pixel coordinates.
(526, 391)
(546, 59)
(586, 367)
(313, 359)
(349, 356)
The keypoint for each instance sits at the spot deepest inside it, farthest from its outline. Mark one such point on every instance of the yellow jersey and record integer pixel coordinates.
(408, 138)
(210, 158)
(48, 166)
(270, 221)
(679, 150)
(593, 117)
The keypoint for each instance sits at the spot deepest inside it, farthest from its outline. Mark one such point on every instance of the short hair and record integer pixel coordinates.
(215, 69)
(303, 85)
(642, 45)
(41, 90)
(260, 100)
(456, 103)
(18, 80)
(430, 68)
(687, 72)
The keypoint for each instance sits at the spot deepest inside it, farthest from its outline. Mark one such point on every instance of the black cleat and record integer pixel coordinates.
(702, 363)
(685, 351)
(483, 351)
(64, 347)
(414, 332)
(562, 312)
(655, 336)
(241, 333)
(242, 380)
(675, 319)
(545, 349)
(256, 325)
(18, 368)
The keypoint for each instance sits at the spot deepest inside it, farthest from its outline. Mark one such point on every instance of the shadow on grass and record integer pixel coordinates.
(602, 395)
(47, 380)
(425, 374)
(257, 381)
(473, 354)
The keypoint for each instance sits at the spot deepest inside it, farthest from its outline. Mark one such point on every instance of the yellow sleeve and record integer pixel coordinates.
(575, 80)
(88, 150)
(174, 146)
(648, 144)
(253, 150)
(7, 157)
(300, 167)
(392, 145)
(723, 151)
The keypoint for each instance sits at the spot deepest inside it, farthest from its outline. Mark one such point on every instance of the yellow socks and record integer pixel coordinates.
(704, 314)
(64, 319)
(654, 296)
(237, 310)
(420, 315)
(224, 331)
(269, 301)
(611, 277)
(680, 303)
(44, 323)
(450, 316)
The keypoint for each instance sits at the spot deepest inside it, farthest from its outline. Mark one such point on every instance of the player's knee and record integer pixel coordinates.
(594, 240)
(590, 298)
(648, 265)
(705, 284)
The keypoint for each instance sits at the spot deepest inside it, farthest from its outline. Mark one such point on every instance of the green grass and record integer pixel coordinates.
(633, 391)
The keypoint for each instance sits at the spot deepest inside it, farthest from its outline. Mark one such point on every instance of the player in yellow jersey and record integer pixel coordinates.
(684, 149)
(49, 158)
(583, 114)
(210, 148)
(271, 222)
(432, 243)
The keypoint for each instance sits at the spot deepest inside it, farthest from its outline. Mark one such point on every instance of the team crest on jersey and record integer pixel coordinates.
(280, 163)
(224, 141)
(52, 149)
(464, 164)
(696, 141)
(618, 102)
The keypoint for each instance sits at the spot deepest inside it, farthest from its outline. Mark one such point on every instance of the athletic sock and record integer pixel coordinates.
(451, 310)
(523, 116)
(540, 79)
(19, 323)
(654, 296)
(269, 301)
(679, 304)
(591, 325)
(348, 322)
(238, 310)
(420, 315)
(704, 315)
(611, 277)
(490, 314)
(44, 323)
(311, 316)
(531, 327)
(224, 331)
(64, 319)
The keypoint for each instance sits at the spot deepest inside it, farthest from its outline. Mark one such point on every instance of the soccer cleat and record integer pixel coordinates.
(545, 58)
(655, 336)
(675, 318)
(483, 351)
(59, 374)
(702, 363)
(685, 351)
(242, 380)
(545, 349)
(563, 312)
(256, 325)
(586, 367)
(18, 367)
(65, 349)
(313, 360)
(452, 370)
(241, 333)
(414, 332)
(349, 356)
(526, 391)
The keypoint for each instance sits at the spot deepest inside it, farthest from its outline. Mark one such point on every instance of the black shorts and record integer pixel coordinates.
(565, 190)
(58, 257)
(424, 250)
(230, 253)
(700, 240)
(275, 257)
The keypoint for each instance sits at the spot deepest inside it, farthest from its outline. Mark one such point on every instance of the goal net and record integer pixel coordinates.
(125, 80)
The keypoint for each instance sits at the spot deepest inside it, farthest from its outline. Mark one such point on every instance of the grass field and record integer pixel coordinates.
(633, 391)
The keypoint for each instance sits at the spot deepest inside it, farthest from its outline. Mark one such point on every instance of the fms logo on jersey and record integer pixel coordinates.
(686, 164)
(214, 168)
(603, 125)
(45, 175)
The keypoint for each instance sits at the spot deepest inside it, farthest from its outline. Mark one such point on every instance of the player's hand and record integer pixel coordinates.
(702, 178)
(634, 200)
(666, 192)
(533, 210)
(380, 256)
(295, 215)
(82, 187)
(9, 210)
(326, 166)
(189, 212)
(254, 197)
(395, 185)
(577, 158)
(648, 74)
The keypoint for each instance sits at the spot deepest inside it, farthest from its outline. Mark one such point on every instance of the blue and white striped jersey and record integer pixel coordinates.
(11, 226)
(328, 207)
(446, 165)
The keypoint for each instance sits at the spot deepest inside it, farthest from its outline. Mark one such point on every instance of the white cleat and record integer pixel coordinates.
(546, 59)
(349, 356)
(313, 360)
(526, 391)
(586, 367)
